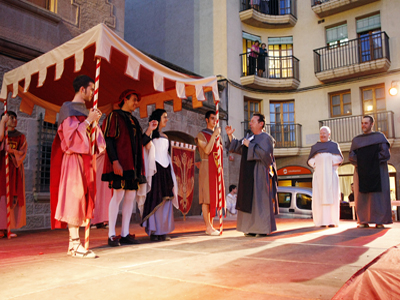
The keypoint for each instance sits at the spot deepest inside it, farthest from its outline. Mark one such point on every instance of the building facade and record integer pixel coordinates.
(27, 30)
(329, 62)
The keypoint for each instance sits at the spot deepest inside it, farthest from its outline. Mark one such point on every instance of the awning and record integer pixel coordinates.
(47, 80)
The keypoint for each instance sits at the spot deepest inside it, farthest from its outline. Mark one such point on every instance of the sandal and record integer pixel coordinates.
(70, 246)
(79, 251)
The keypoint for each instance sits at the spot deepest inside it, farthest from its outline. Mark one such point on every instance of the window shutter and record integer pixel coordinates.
(369, 23)
(336, 33)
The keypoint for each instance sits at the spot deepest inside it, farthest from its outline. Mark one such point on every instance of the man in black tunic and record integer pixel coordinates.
(369, 154)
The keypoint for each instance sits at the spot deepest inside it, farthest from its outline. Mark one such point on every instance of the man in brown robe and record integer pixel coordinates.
(256, 216)
(369, 154)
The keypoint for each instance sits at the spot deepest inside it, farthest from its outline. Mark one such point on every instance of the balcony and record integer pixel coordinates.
(281, 73)
(269, 14)
(325, 8)
(287, 137)
(366, 55)
(344, 129)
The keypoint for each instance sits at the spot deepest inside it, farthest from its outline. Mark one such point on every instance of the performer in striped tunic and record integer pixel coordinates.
(17, 149)
(208, 181)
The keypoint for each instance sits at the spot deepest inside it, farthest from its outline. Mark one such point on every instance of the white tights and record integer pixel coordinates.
(127, 209)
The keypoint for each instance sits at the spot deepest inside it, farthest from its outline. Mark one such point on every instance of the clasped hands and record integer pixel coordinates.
(94, 115)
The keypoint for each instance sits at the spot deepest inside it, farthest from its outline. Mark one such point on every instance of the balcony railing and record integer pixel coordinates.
(364, 49)
(272, 7)
(324, 8)
(285, 135)
(318, 2)
(344, 129)
(281, 67)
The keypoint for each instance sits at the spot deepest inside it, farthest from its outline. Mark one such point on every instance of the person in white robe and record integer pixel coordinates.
(325, 158)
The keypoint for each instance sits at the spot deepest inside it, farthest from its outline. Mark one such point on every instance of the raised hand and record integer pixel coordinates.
(229, 130)
(5, 118)
(153, 125)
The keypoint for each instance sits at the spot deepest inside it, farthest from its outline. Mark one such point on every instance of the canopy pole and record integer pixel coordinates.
(7, 176)
(219, 176)
(93, 141)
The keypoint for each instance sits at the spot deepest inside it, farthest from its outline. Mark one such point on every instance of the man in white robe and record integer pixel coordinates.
(325, 158)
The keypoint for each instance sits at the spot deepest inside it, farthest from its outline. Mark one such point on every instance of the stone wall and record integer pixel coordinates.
(27, 31)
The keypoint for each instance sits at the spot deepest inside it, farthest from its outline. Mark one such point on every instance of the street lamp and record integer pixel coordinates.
(394, 88)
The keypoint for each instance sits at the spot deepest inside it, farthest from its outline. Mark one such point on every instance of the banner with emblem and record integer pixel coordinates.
(182, 156)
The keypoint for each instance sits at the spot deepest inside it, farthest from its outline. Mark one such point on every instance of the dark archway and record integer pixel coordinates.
(179, 136)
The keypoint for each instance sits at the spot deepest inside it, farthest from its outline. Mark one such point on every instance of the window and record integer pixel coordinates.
(284, 7)
(337, 36)
(280, 55)
(251, 106)
(284, 199)
(278, 7)
(374, 102)
(369, 33)
(303, 201)
(283, 128)
(340, 104)
(46, 4)
(46, 133)
(374, 99)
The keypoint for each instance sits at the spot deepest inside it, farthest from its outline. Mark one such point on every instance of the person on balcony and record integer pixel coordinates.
(253, 57)
(325, 158)
(255, 4)
(261, 60)
(255, 191)
(264, 6)
(17, 148)
(369, 153)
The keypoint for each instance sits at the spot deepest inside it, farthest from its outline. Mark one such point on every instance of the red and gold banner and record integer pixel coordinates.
(182, 156)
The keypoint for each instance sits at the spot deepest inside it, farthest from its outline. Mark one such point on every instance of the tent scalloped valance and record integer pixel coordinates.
(47, 80)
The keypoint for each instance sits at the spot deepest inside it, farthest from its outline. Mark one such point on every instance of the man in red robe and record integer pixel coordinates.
(72, 175)
(17, 149)
(206, 142)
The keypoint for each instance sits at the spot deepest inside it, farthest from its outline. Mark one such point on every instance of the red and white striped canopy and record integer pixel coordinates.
(47, 80)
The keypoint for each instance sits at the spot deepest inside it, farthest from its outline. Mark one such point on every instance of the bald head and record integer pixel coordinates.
(324, 134)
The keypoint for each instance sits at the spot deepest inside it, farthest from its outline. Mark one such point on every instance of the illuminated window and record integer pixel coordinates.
(283, 128)
(50, 5)
(251, 106)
